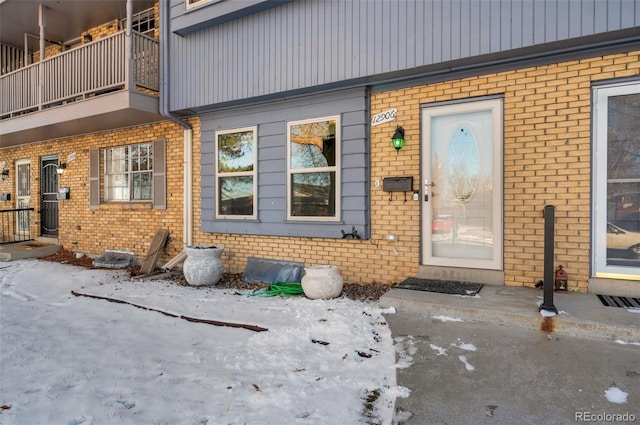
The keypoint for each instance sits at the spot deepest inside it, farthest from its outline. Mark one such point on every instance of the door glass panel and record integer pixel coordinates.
(462, 199)
(462, 165)
(623, 181)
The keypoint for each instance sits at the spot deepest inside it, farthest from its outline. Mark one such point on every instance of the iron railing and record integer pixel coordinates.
(15, 225)
(95, 68)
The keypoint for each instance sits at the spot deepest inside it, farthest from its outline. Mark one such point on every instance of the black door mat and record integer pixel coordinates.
(453, 287)
(624, 302)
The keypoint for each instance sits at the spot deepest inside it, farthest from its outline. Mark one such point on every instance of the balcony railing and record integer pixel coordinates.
(93, 69)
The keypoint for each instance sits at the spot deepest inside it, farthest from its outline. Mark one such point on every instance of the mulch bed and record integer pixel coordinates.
(355, 291)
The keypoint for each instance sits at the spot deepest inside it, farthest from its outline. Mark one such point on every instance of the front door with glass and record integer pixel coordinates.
(462, 184)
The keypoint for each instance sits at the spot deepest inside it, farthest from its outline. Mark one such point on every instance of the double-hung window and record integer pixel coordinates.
(313, 169)
(236, 158)
(129, 173)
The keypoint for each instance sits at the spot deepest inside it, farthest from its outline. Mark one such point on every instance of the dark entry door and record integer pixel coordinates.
(49, 197)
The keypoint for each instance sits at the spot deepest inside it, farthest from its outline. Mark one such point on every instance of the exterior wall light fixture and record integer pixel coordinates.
(5, 174)
(398, 139)
(61, 168)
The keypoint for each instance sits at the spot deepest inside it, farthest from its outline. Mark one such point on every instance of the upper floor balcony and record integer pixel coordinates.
(112, 82)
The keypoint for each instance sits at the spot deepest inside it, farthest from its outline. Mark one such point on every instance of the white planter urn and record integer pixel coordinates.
(321, 282)
(203, 265)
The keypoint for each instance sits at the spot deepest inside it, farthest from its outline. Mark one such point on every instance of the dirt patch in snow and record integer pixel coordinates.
(355, 291)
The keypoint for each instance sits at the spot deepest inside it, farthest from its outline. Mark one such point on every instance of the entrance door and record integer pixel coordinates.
(616, 182)
(23, 195)
(462, 178)
(49, 197)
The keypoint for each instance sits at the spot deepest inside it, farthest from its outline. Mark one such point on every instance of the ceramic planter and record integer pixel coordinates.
(203, 265)
(321, 282)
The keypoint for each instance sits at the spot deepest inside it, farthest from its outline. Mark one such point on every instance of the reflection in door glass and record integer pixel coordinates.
(462, 164)
(623, 180)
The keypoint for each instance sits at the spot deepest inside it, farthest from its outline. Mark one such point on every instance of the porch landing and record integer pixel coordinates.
(29, 249)
(581, 314)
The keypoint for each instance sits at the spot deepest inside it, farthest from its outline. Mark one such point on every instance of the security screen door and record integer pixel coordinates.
(23, 195)
(462, 184)
(616, 181)
(49, 197)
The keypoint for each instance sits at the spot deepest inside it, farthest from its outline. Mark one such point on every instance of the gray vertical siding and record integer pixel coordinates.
(306, 43)
(271, 120)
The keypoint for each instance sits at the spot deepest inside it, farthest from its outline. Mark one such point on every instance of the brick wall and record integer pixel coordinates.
(125, 226)
(547, 160)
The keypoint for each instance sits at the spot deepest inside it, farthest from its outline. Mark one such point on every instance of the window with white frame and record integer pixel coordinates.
(616, 181)
(236, 158)
(194, 3)
(313, 169)
(128, 173)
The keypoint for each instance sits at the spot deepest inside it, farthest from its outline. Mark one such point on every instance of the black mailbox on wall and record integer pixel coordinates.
(5, 196)
(397, 184)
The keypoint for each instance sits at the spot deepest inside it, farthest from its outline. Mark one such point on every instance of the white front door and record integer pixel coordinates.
(462, 184)
(23, 194)
(616, 181)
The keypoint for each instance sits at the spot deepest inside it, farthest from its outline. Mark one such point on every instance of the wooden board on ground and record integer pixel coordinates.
(159, 241)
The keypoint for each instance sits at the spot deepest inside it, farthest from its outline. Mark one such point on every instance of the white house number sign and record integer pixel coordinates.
(383, 117)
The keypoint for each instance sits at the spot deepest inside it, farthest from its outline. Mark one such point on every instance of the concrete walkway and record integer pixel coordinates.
(494, 359)
(580, 314)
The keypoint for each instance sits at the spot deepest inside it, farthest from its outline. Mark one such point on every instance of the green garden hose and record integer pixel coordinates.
(283, 289)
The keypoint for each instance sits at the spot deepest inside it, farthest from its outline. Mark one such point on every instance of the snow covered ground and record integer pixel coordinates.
(73, 360)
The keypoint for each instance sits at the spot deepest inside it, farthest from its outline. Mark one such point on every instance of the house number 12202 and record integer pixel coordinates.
(383, 117)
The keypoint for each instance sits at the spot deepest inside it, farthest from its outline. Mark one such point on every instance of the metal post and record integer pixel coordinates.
(129, 72)
(549, 221)
(42, 23)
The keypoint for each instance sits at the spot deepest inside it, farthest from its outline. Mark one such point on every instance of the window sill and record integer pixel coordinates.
(142, 205)
(237, 219)
(313, 220)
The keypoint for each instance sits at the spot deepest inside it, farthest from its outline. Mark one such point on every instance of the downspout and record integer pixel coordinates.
(187, 210)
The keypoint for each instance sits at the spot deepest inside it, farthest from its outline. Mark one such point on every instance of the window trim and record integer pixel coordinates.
(159, 201)
(189, 5)
(335, 168)
(253, 173)
(130, 173)
(599, 143)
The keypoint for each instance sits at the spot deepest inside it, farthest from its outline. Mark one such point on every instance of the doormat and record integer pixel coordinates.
(452, 287)
(624, 302)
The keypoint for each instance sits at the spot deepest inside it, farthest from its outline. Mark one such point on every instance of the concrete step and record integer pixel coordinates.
(579, 314)
(27, 249)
